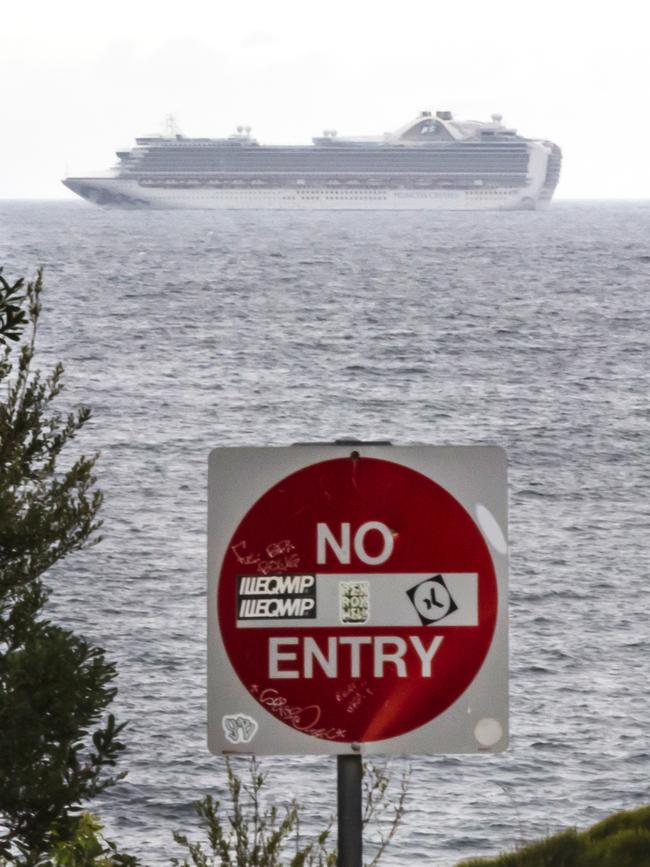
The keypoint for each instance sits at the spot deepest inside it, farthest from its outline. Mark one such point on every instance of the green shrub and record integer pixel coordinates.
(621, 840)
(625, 820)
(58, 743)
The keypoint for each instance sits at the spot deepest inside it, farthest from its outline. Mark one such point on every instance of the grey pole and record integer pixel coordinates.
(350, 842)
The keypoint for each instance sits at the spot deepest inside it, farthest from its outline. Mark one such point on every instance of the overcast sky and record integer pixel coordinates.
(81, 78)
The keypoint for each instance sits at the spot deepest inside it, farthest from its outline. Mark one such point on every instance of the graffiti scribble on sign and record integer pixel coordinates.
(303, 719)
(277, 557)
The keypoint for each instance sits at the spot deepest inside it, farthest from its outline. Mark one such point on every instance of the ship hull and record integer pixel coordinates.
(130, 193)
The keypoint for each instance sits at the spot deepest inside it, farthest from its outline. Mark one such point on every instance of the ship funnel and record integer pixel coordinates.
(497, 118)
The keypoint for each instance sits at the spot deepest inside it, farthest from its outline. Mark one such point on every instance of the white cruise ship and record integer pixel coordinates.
(435, 162)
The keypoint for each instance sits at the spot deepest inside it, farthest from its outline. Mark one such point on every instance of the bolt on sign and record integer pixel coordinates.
(357, 599)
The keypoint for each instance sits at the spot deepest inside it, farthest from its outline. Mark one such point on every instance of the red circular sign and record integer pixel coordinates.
(348, 677)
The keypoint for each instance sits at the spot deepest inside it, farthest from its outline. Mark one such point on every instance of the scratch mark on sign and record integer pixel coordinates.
(353, 695)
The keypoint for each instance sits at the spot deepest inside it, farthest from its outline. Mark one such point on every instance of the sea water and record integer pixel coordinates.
(189, 330)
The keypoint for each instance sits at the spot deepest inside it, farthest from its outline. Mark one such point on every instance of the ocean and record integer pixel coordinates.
(189, 330)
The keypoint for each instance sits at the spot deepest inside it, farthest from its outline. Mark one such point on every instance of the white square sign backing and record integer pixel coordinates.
(357, 599)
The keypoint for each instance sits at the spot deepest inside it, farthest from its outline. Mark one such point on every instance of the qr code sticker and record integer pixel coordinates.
(354, 601)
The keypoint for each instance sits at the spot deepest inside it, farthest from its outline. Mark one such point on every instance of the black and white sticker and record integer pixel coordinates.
(276, 597)
(432, 600)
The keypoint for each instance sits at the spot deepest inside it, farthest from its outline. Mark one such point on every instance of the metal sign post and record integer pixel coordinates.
(349, 771)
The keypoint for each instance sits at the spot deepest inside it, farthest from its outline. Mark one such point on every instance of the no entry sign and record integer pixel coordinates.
(357, 599)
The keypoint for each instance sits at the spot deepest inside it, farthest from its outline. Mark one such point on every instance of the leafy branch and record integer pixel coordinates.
(12, 316)
(244, 833)
(378, 807)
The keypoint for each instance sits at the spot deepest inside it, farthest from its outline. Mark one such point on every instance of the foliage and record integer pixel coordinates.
(621, 840)
(57, 749)
(253, 835)
(12, 315)
(89, 848)
(380, 810)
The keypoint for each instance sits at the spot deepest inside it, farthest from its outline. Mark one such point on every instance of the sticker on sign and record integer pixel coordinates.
(355, 601)
(276, 597)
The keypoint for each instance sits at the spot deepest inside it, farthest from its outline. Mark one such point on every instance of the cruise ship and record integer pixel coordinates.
(434, 162)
